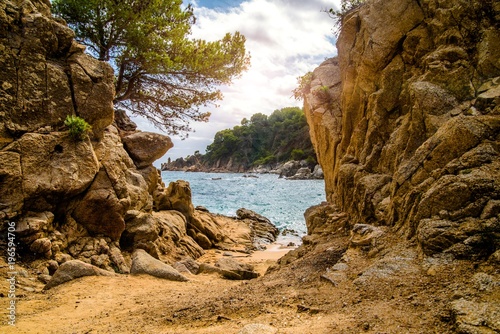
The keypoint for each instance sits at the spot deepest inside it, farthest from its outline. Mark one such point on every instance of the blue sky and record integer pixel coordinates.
(218, 4)
(285, 38)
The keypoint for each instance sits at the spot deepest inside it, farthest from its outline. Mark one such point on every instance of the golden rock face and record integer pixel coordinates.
(406, 137)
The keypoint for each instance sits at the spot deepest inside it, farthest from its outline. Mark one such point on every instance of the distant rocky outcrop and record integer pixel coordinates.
(293, 169)
(408, 131)
(81, 205)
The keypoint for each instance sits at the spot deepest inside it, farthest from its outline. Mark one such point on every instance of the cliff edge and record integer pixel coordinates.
(408, 131)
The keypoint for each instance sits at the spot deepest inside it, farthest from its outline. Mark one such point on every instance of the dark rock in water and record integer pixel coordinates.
(74, 269)
(143, 263)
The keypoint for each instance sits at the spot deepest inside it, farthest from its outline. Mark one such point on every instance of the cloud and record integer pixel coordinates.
(285, 38)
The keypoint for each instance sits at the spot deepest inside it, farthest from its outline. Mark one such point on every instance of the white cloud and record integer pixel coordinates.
(286, 39)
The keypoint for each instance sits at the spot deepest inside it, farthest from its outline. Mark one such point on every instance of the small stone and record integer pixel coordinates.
(44, 278)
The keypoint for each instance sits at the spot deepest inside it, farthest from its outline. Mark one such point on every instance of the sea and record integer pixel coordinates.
(280, 200)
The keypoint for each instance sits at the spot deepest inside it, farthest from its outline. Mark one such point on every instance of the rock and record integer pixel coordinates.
(202, 240)
(178, 197)
(100, 211)
(123, 122)
(143, 263)
(263, 231)
(141, 228)
(47, 94)
(54, 167)
(290, 168)
(42, 246)
(146, 147)
(189, 264)
(403, 137)
(258, 329)
(11, 191)
(235, 270)
(472, 317)
(303, 173)
(34, 222)
(174, 240)
(90, 77)
(72, 270)
(44, 278)
(365, 235)
(318, 173)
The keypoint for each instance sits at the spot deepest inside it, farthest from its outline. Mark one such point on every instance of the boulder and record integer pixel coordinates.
(54, 168)
(100, 211)
(178, 197)
(475, 317)
(72, 270)
(146, 147)
(141, 228)
(191, 265)
(303, 173)
(263, 231)
(363, 235)
(234, 270)
(318, 173)
(143, 263)
(288, 169)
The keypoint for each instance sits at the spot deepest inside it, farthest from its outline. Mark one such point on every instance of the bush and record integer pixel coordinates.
(338, 15)
(297, 154)
(78, 127)
(303, 86)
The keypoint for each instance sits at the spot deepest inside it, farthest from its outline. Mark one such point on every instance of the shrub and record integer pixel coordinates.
(297, 154)
(78, 127)
(338, 15)
(303, 86)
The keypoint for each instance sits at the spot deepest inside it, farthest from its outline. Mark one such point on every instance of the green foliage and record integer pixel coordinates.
(303, 86)
(263, 139)
(161, 74)
(78, 127)
(338, 14)
(297, 154)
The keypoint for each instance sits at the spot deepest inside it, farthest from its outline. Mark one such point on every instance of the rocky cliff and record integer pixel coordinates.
(408, 131)
(97, 199)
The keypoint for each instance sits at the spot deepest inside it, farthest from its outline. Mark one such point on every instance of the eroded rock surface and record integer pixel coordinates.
(407, 133)
(94, 201)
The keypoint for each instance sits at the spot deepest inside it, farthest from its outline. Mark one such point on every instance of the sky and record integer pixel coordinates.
(285, 39)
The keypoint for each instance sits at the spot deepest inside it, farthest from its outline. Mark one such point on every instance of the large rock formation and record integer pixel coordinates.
(407, 132)
(99, 199)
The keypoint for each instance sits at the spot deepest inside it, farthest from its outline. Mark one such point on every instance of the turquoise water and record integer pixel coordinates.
(282, 201)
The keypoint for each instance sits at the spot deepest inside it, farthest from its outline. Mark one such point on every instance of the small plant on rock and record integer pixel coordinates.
(338, 14)
(303, 86)
(78, 127)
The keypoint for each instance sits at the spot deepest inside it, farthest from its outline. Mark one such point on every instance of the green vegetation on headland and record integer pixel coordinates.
(260, 140)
